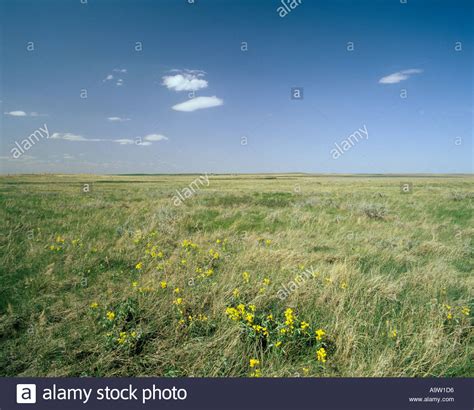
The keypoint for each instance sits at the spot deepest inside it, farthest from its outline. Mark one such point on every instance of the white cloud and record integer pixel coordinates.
(118, 119)
(155, 137)
(67, 136)
(16, 113)
(188, 81)
(124, 141)
(19, 113)
(147, 140)
(399, 76)
(118, 81)
(198, 103)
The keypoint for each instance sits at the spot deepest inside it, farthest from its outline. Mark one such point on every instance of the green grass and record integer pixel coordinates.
(384, 261)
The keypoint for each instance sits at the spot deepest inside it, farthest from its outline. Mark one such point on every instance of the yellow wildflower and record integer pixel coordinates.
(304, 325)
(178, 301)
(139, 266)
(319, 334)
(290, 318)
(94, 305)
(246, 277)
(163, 284)
(278, 344)
(256, 373)
(214, 254)
(465, 310)
(122, 338)
(232, 313)
(176, 290)
(254, 362)
(110, 315)
(393, 334)
(134, 284)
(236, 293)
(321, 355)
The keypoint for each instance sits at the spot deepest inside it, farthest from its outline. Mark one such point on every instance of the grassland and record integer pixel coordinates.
(88, 280)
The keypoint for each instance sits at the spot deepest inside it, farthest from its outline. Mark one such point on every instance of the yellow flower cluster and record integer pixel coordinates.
(246, 277)
(304, 325)
(319, 334)
(464, 310)
(261, 329)
(186, 244)
(263, 241)
(240, 313)
(289, 319)
(152, 250)
(254, 364)
(125, 337)
(214, 254)
(76, 242)
(204, 273)
(321, 355)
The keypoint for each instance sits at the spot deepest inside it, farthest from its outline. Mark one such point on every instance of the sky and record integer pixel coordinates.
(183, 86)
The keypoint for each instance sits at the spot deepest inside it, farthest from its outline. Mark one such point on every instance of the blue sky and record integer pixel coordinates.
(138, 116)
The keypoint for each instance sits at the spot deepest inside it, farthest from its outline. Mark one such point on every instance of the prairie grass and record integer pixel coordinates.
(89, 279)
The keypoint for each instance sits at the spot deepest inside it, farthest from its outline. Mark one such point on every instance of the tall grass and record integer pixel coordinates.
(391, 286)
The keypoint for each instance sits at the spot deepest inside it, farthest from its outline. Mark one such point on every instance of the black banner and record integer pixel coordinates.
(236, 393)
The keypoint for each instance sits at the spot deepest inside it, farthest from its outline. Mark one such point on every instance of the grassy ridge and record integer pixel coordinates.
(89, 280)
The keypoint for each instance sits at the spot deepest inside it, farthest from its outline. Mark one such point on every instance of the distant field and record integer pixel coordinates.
(253, 275)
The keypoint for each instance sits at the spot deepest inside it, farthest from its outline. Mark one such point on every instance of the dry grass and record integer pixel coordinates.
(384, 261)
